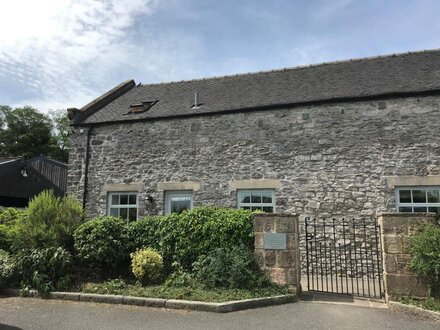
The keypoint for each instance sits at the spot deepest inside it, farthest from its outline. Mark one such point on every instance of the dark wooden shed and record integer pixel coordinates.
(21, 179)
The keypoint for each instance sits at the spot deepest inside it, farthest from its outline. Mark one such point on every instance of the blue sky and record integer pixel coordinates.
(57, 54)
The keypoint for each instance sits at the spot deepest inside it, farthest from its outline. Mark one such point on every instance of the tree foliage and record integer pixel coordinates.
(26, 132)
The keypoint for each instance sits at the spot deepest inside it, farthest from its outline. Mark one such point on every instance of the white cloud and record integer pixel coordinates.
(63, 51)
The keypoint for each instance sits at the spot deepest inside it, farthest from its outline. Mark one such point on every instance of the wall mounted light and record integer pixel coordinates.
(23, 173)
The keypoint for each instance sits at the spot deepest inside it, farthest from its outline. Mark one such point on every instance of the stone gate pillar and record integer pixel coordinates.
(277, 248)
(396, 231)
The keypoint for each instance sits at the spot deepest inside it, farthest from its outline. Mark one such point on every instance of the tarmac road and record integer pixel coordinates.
(26, 313)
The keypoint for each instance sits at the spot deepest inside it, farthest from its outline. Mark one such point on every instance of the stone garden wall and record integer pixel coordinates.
(397, 229)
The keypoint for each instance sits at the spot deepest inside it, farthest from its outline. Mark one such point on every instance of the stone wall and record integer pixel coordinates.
(396, 230)
(282, 266)
(326, 160)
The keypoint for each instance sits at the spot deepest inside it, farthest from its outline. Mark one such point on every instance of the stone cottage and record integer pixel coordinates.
(344, 138)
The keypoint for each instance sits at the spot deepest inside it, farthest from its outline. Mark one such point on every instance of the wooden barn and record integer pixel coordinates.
(21, 179)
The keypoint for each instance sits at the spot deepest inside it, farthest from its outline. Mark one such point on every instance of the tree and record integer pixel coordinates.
(26, 132)
(60, 134)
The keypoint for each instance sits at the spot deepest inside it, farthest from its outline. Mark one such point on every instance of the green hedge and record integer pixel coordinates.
(182, 238)
(102, 242)
(425, 256)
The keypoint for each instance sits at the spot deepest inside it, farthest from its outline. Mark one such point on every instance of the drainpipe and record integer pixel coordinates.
(86, 169)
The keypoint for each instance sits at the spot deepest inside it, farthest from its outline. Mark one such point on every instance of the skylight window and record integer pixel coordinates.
(141, 107)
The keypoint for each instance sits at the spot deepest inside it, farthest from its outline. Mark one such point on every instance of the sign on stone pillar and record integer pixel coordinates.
(277, 248)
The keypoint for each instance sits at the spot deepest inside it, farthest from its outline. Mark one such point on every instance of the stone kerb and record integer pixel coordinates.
(396, 231)
(282, 266)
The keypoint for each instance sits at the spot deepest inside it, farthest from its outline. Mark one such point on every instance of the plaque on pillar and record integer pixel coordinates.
(275, 241)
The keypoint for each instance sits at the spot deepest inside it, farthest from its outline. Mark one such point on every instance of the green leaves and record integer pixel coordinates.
(48, 222)
(425, 251)
(102, 242)
(26, 132)
(182, 238)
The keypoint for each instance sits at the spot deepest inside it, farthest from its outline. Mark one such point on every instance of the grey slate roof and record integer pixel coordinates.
(368, 77)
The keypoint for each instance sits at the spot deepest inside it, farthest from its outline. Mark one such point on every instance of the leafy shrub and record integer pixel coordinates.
(182, 238)
(156, 232)
(146, 265)
(425, 251)
(234, 268)
(7, 267)
(5, 237)
(8, 218)
(44, 269)
(50, 222)
(102, 242)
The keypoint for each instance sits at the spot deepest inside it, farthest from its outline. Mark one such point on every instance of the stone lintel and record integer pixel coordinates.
(413, 180)
(109, 187)
(255, 184)
(178, 185)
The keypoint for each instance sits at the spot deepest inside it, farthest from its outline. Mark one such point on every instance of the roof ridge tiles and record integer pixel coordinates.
(298, 67)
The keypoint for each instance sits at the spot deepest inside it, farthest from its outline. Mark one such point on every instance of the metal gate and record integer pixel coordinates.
(344, 256)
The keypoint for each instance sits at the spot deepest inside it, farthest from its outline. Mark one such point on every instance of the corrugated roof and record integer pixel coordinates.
(367, 77)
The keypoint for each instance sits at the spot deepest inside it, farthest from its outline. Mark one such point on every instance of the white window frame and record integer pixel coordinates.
(412, 204)
(177, 193)
(125, 206)
(241, 192)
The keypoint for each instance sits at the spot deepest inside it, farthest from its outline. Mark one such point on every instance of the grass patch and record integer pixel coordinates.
(194, 292)
(432, 304)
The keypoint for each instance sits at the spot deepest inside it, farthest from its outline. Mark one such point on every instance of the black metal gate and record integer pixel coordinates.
(344, 256)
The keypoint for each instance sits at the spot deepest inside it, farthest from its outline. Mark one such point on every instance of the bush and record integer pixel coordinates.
(102, 242)
(234, 268)
(45, 269)
(146, 265)
(50, 222)
(6, 268)
(425, 261)
(8, 218)
(182, 238)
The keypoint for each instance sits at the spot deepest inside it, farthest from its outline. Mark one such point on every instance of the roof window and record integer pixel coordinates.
(141, 107)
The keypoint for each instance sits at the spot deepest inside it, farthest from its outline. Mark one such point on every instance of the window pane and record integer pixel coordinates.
(245, 198)
(124, 199)
(405, 196)
(434, 209)
(114, 212)
(132, 214)
(123, 213)
(419, 209)
(268, 209)
(433, 196)
(132, 199)
(115, 199)
(246, 208)
(419, 196)
(179, 204)
(256, 197)
(255, 208)
(267, 197)
(405, 209)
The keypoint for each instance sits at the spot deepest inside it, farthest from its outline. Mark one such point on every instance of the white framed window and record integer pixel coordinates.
(263, 200)
(123, 205)
(178, 201)
(418, 199)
